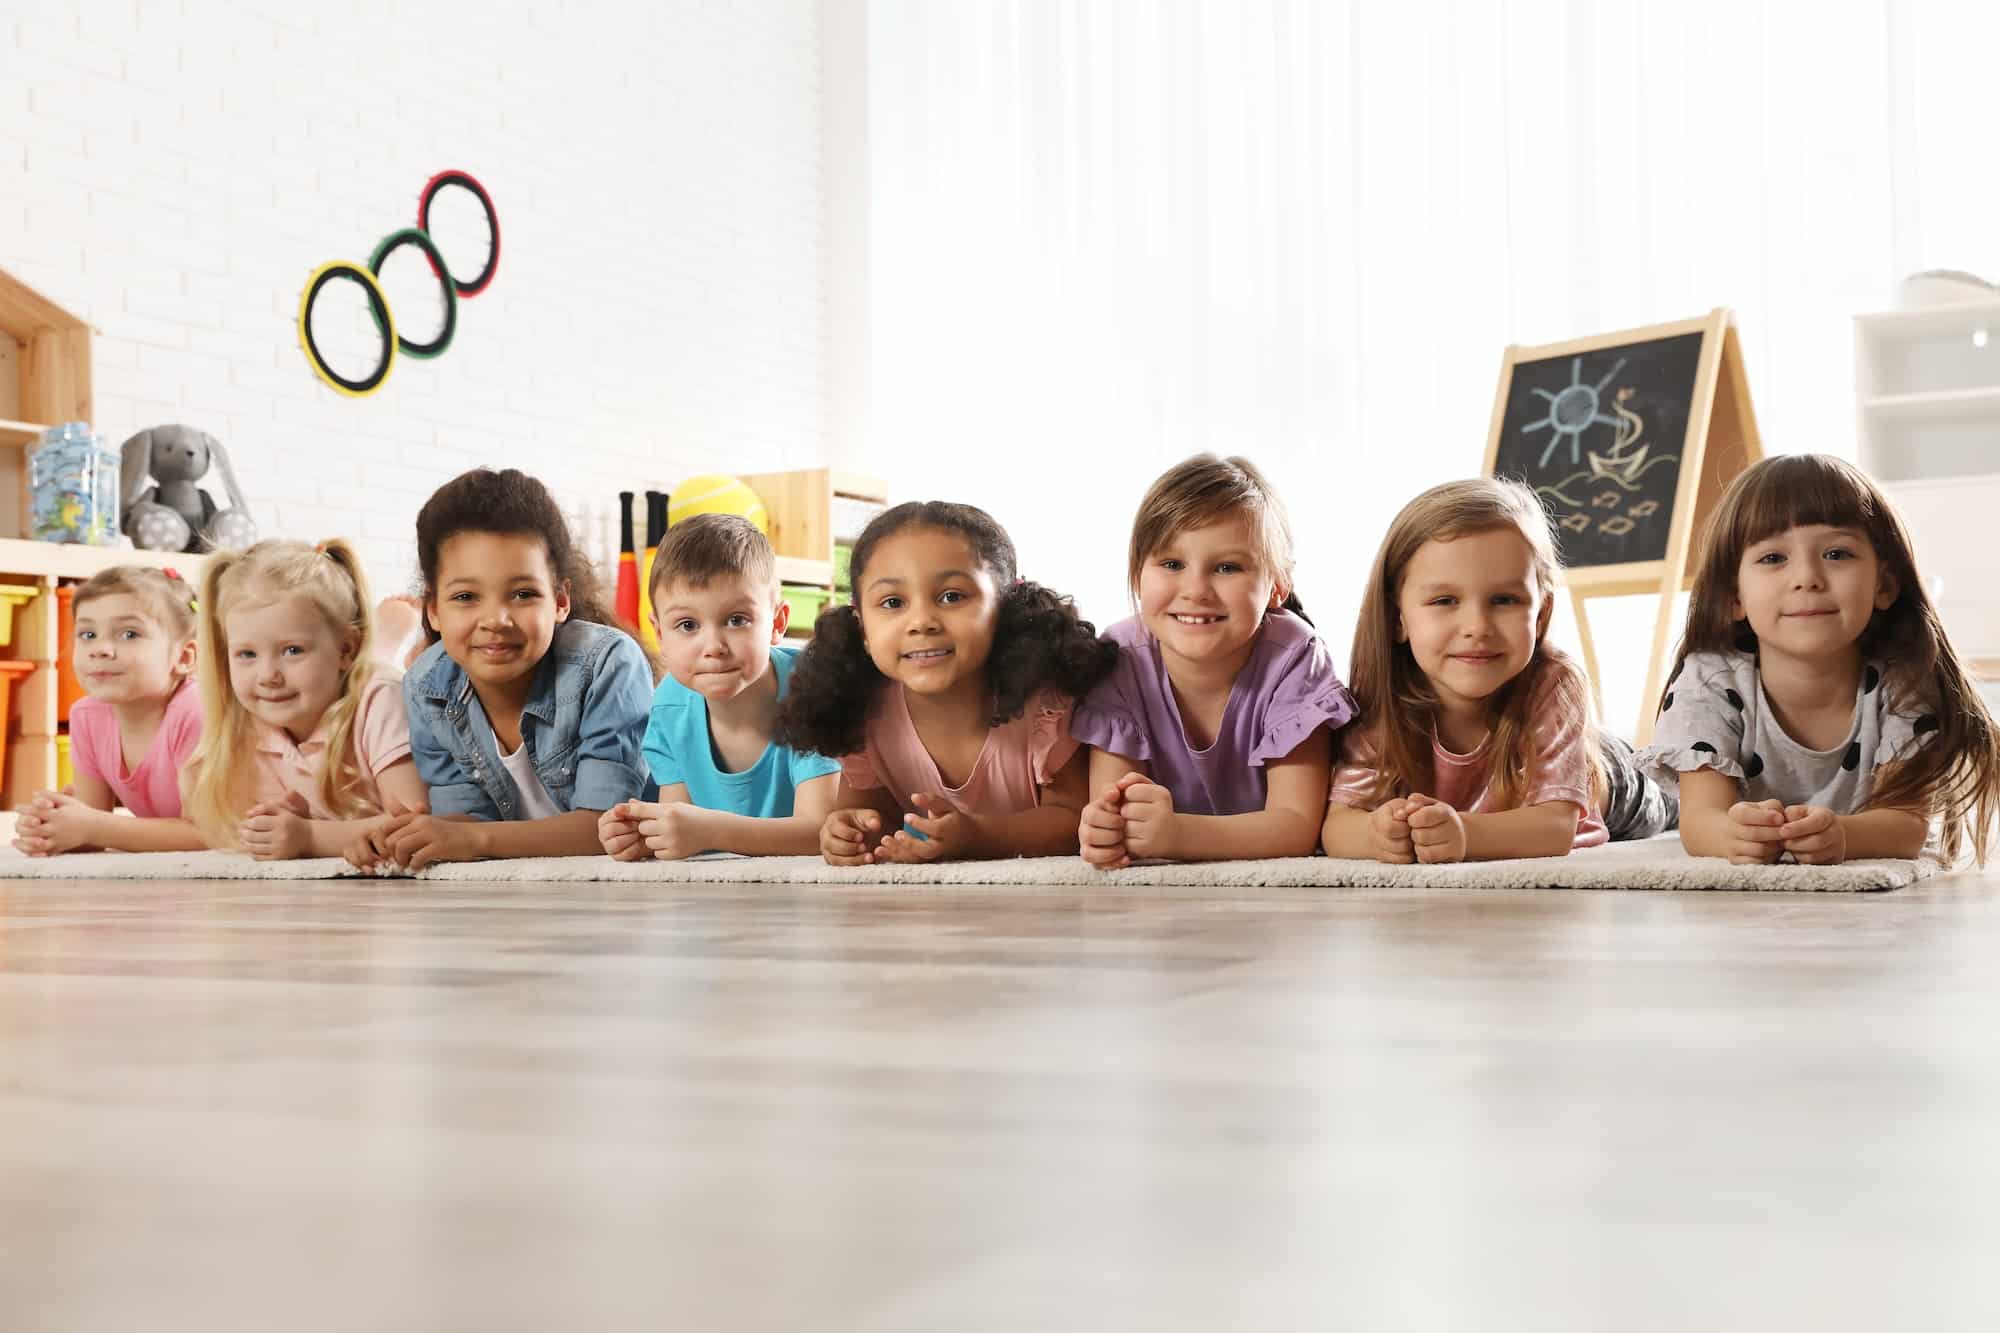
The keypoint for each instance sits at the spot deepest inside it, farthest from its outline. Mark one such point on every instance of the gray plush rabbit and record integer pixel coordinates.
(175, 514)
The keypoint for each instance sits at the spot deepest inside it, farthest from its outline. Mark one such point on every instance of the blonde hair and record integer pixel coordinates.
(1399, 704)
(168, 599)
(1205, 489)
(328, 577)
(1956, 775)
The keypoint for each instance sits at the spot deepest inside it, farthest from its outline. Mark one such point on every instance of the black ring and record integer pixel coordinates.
(411, 236)
(463, 181)
(377, 307)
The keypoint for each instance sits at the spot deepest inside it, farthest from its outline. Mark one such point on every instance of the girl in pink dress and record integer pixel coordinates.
(945, 692)
(135, 656)
(1475, 741)
(306, 748)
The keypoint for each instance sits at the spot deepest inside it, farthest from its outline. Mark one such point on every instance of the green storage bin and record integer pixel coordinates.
(806, 602)
(843, 560)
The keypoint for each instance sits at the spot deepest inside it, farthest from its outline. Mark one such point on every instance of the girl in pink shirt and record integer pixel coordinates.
(134, 648)
(945, 691)
(306, 749)
(1475, 741)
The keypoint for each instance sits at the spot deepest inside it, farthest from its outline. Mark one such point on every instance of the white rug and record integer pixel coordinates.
(1655, 864)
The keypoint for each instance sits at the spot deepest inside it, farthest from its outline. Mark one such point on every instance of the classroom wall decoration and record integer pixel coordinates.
(1628, 439)
(451, 287)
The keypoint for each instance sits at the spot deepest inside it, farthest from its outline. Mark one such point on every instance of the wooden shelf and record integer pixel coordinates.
(797, 569)
(801, 507)
(854, 486)
(1940, 405)
(45, 351)
(67, 561)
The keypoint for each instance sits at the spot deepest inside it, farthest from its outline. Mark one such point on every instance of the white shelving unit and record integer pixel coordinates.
(1927, 390)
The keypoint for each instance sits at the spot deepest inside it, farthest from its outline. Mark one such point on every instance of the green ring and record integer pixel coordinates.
(412, 236)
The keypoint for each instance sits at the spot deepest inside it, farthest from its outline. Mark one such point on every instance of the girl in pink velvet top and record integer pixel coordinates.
(945, 691)
(135, 656)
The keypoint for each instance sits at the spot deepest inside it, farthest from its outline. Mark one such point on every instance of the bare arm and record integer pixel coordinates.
(1290, 824)
(1548, 829)
(149, 835)
(1106, 768)
(1706, 796)
(1345, 832)
(699, 829)
(1885, 832)
(85, 819)
(1717, 821)
(572, 834)
(1101, 829)
(852, 832)
(1047, 830)
(403, 792)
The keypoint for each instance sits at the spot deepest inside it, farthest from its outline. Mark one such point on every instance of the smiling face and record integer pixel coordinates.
(286, 664)
(496, 606)
(123, 655)
(1472, 610)
(717, 640)
(928, 611)
(1810, 591)
(1204, 593)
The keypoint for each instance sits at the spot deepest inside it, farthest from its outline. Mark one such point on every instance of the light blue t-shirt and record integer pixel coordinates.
(678, 749)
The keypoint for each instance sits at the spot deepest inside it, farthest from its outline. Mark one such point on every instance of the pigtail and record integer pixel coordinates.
(213, 780)
(1041, 643)
(833, 685)
(340, 777)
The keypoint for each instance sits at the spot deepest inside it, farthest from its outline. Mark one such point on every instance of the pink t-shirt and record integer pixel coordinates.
(152, 790)
(381, 738)
(1019, 758)
(1558, 770)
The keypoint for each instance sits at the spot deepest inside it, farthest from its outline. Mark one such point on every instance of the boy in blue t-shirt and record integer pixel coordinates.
(724, 785)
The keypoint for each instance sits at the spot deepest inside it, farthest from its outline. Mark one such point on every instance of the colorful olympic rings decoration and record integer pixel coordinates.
(367, 277)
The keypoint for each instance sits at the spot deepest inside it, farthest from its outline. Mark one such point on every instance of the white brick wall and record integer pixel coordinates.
(173, 170)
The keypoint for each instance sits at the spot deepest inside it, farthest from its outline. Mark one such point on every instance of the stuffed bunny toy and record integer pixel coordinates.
(175, 514)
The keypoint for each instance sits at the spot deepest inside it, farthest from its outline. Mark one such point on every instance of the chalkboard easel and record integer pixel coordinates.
(1629, 439)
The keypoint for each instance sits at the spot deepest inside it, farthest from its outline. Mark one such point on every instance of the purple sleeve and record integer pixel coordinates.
(1306, 696)
(1112, 717)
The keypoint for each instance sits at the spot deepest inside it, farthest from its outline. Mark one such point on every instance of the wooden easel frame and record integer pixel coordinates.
(1721, 441)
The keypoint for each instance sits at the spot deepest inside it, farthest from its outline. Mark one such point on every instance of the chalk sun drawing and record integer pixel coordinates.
(1574, 410)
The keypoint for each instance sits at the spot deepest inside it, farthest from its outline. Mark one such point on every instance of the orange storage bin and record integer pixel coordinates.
(68, 688)
(12, 675)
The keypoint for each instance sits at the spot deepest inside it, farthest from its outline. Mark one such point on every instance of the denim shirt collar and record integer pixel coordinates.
(446, 682)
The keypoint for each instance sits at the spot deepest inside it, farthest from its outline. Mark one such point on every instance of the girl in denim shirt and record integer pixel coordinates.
(527, 710)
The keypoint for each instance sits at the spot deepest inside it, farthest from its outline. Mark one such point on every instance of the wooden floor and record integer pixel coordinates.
(425, 1107)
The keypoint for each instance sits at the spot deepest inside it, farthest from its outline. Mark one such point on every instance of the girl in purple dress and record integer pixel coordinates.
(1212, 738)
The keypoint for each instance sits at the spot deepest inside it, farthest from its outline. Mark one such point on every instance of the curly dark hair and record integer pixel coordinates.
(512, 502)
(1039, 640)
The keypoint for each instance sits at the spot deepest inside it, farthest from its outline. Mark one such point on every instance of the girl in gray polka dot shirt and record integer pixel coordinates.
(1817, 712)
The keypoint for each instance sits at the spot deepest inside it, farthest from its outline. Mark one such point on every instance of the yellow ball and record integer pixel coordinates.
(717, 495)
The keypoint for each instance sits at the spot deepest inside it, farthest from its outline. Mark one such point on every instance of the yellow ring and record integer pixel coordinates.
(359, 273)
